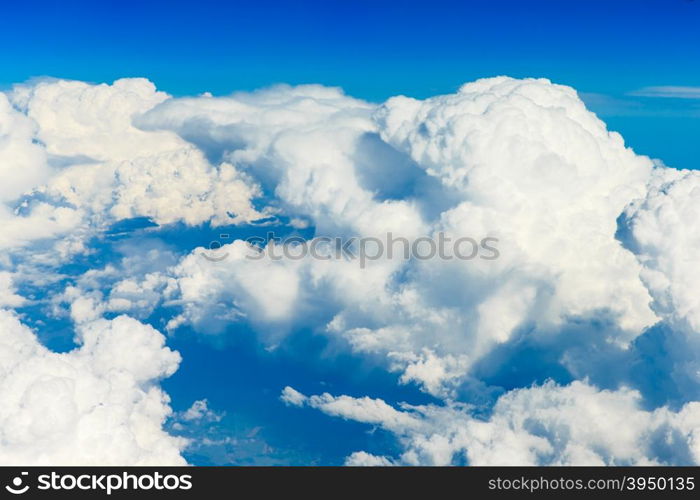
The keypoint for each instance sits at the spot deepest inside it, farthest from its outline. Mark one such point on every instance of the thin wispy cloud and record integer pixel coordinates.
(669, 91)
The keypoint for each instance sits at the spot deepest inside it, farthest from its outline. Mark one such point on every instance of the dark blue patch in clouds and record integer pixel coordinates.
(520, 362)
(663, 367)
(55, 333)
(237, 376)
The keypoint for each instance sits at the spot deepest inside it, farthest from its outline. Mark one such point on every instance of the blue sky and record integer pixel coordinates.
(634, 63)
(604, 49)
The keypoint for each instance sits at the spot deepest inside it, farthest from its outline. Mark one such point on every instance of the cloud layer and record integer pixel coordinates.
(546, 425)
(594, 288)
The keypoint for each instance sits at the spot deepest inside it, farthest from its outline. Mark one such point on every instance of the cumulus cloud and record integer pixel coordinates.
(80, 120)
(98, 404)
(22, 163)
(23, 166)
(576, 424)
(665, 235)
(364, 459)
(78, 163)
(200, 411)
(8, 292)
(545, 175)
(292, 397)
(522, 161)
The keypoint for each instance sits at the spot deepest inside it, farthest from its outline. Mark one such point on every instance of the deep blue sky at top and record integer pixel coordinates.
(375, 49)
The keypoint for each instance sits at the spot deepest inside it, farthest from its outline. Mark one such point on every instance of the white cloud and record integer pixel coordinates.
(183, 186)
(8, 295)
(665, 234)
(200, 411)
(72, 160)
(22, 163)
(292, 397)
(367, 410)
(364, 459)
(298, 142)
(99, 404)
(546, 425)
(520, 160)
(542, 173)
(23, 166)
(80, 120)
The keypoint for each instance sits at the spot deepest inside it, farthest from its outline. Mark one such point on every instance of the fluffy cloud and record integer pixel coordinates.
(79, 120)
(200, 411)
(364, 459)
(522, 161)
(575, 424)
(22, 163)
(542, 173)
(73, 161)
(303, 144)
(8, 293)
(23, 166)
(98, 404)
(665, 234)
